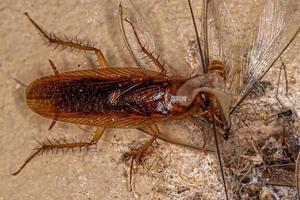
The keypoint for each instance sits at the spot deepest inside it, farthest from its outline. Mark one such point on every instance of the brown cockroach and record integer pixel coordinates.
(130, 97)
(109, 97)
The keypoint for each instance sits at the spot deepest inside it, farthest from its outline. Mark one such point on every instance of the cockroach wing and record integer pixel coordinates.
(129, 13)
(80, 96)
(278, 24)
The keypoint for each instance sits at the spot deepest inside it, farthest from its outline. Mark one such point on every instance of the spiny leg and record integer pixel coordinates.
(138, 154)
(53, 67)
(145, 51)
(98, 134)
(56, 145)
(52, 39)
(53, 123)
(181, 141)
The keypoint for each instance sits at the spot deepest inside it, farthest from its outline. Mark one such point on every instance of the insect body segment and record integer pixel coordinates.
(131, 97)
(128, 97)
(107, 98)
(217, 66)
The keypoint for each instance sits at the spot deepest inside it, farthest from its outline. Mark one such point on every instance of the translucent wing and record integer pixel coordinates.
(218, 37)
(198, 49)
(129, 13)
(250, 54)
(231, 46)
(278, 24)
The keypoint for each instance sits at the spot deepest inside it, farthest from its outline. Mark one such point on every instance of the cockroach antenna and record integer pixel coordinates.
(219, 155)
(205, 62)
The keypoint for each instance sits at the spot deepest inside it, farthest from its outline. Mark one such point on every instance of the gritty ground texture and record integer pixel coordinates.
(173, 172)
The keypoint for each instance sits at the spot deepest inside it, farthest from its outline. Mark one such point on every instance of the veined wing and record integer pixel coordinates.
(81, 96)
(249, 56)
(231, 46)
(129, 12)
(218, 37)
(279, 23)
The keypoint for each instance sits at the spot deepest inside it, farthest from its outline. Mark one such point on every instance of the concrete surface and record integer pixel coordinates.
(175, 172)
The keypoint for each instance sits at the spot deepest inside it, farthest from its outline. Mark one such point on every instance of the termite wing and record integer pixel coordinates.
(129, 14)
(248, 54)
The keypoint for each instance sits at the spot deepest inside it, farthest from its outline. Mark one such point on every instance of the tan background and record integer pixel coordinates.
(101, 173)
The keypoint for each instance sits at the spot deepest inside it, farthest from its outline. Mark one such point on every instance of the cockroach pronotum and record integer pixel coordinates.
(136, 97)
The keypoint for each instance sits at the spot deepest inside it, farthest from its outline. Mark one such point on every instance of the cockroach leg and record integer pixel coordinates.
(98, 134)
(39, 150)
(48, 145)
(145, 51)
(138, 154)
(53, 67)
(125, 38)
(200, 113)
(53, 39)
(52, 123)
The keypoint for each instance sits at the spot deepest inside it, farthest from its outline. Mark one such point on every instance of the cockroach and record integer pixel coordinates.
(138, 97)
(109, 97)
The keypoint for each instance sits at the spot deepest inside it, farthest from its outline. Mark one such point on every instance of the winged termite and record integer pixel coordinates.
(250, 56)
(205, 95)
(277, 28)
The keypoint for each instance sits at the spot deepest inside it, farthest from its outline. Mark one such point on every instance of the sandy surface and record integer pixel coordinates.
(176, 172)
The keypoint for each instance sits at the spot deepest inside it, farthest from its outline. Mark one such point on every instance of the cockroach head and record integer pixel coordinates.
(209, 86)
